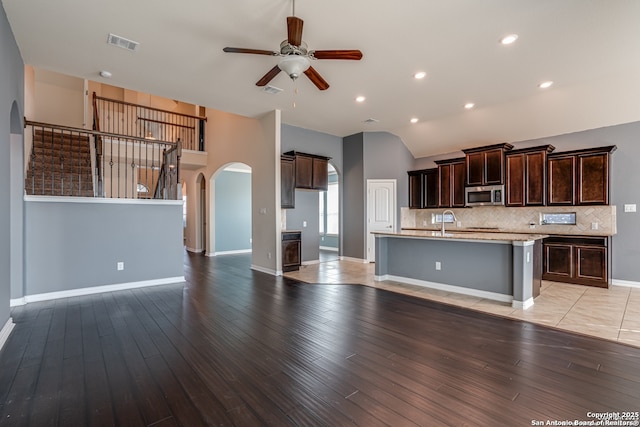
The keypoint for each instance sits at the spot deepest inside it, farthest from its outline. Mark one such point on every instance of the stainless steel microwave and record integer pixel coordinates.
(486, 195)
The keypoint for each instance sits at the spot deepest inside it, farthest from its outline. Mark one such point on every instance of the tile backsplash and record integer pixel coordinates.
(590, 220)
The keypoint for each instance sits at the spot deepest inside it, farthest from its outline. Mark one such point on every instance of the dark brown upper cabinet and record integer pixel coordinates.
(485, 165)
(311, 171)
(287, 182)
(423, 188)
(526, 176)
(579, 177)
(451, 179)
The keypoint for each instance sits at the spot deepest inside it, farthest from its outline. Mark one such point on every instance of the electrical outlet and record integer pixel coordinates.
(459, 224)
(594, 225)
(269, 255)
(438, 265)
(424, 223)
(304, 224)
(120, 266)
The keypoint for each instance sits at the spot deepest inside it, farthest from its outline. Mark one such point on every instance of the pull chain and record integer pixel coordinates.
(295, 93)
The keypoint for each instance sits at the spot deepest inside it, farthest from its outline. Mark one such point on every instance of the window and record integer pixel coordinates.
(333, 201)
(184, 211)
(329, 210)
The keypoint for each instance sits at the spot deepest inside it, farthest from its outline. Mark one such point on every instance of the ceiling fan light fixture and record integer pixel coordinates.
(294, 65)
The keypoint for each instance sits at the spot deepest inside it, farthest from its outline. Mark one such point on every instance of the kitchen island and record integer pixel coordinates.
(504, 267)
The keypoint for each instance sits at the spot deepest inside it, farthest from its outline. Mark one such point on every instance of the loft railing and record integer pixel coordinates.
(125, 118)
(67, 161)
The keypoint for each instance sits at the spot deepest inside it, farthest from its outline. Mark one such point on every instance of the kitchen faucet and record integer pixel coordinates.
(443, 215)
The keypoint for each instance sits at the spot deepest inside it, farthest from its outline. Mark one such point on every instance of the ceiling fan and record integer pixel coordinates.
(296, 57)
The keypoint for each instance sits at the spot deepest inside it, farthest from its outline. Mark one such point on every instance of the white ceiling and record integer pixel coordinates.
(589, 48)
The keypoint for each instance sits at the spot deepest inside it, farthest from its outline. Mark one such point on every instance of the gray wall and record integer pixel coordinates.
(370, 155)
(386, 157)
(11, 112)
(72, 245)
(233, 211)
(625, 185)
(308, 207)
(353, 200)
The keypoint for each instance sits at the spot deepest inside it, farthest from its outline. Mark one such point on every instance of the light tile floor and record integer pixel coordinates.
(612, 314)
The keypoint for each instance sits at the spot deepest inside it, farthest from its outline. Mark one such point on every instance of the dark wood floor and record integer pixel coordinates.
(237, 347)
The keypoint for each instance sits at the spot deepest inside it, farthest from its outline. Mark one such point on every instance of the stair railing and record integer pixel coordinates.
(126, 118)
(129, 166)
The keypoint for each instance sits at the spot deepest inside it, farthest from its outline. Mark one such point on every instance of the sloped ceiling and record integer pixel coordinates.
(590, 49)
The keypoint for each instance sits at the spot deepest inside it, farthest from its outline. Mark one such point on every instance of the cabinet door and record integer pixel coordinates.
(591, 265)
(287, 183)
(320, 174)
(493, 162)
(430, 185)
(561, 180)
(291, 255)
(457, 184)
(304, 171)
(535, 167)
(475, 168)
(593, 179)
(558, 261)
(444, 175)
(415, 190)
(515, 180)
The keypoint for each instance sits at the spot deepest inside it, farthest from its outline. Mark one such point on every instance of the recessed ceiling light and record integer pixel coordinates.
(469, 105)
(420, 75)
(360, 98)
(509, 39)
(106, 74)
(545, 85)
(414, 120)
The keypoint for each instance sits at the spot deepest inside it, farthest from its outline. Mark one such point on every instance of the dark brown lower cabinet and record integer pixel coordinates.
(580, 260)
(291, 250)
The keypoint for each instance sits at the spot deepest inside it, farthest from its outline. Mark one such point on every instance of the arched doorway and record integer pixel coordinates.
(230, 229)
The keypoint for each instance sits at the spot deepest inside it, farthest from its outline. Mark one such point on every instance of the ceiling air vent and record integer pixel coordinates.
(370, 121)
(122, 42)
(272, 89)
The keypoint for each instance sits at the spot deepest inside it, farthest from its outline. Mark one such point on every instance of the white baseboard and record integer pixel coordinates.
(99, 289)
(312, 262)
(627, 283)
(329, 248)
(350, 259)
(194, 250)
(522, 305)
(266, 270)
(448, 288)
(6, 331)
(239, 251)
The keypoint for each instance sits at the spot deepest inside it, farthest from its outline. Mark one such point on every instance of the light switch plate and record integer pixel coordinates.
(630, 208)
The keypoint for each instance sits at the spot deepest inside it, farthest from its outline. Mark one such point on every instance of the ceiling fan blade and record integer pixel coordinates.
(254, 51)
(269, 76)
(355, 55)
(316, 78)
(294, 30)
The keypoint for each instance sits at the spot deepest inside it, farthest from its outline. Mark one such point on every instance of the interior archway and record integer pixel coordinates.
(230, 212)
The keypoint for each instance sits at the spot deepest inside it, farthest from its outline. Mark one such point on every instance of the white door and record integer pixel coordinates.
(381, 211)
